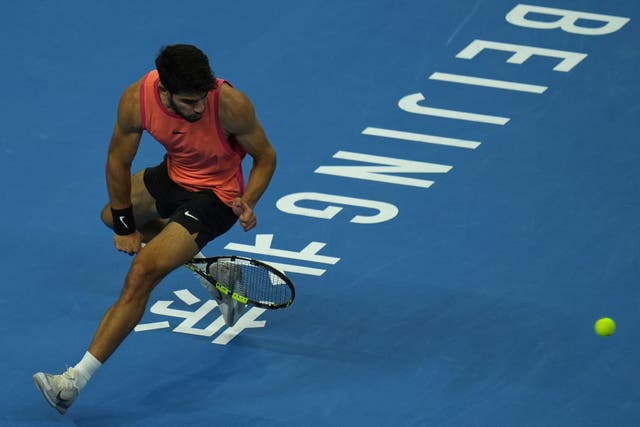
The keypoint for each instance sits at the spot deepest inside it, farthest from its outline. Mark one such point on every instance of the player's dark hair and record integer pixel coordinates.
(184, 68)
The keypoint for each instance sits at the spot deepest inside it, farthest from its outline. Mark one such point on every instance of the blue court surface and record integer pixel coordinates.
(457, 201)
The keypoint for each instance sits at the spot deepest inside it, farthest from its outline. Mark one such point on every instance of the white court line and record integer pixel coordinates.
(497, 84)
(421, 137)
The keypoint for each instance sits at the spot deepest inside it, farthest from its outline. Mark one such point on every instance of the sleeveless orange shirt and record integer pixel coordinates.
(199, 156)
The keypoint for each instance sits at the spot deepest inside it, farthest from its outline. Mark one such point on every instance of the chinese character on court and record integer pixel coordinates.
(190, 318)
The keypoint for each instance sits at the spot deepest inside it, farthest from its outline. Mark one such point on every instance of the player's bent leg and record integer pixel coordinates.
(170, 249)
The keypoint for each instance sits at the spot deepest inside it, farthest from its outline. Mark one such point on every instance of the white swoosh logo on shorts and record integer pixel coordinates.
(187, 213)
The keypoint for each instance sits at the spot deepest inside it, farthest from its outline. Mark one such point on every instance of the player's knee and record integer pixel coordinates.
(142, 273)
(140, 281)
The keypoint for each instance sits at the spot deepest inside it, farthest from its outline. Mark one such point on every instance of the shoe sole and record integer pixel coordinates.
(235, 312)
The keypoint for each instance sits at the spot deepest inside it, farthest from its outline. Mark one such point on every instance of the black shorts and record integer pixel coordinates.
(199, 212)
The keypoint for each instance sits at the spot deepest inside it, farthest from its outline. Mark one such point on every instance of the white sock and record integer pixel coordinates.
(86, 368)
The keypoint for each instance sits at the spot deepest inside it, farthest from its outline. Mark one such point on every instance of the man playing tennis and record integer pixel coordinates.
(196, 194)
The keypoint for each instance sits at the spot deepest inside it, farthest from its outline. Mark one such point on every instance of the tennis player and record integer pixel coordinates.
(196, 194)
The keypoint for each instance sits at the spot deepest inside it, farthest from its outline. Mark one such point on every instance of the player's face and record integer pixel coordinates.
(189, 106)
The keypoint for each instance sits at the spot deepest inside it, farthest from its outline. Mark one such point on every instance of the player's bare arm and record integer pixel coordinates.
(238, 118)
(122, 150)
(124, 143)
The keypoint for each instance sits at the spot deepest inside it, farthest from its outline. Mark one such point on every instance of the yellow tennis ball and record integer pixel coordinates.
(605, 327)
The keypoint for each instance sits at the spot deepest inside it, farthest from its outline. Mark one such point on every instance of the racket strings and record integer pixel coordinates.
(251, 281)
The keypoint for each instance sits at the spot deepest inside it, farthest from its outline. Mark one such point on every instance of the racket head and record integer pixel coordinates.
(246, 280)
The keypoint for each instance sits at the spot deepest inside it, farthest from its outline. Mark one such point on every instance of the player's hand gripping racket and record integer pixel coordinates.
(246, 280)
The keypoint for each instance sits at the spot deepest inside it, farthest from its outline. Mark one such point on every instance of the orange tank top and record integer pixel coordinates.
(199, 156)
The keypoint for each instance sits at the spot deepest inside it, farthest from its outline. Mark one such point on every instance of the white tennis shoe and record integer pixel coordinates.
(59, 390)
(231, 276)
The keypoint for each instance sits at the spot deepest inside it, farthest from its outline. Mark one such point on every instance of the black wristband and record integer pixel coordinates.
(123, 222)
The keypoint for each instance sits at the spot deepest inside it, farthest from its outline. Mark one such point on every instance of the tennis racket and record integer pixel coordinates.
(246, 280)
